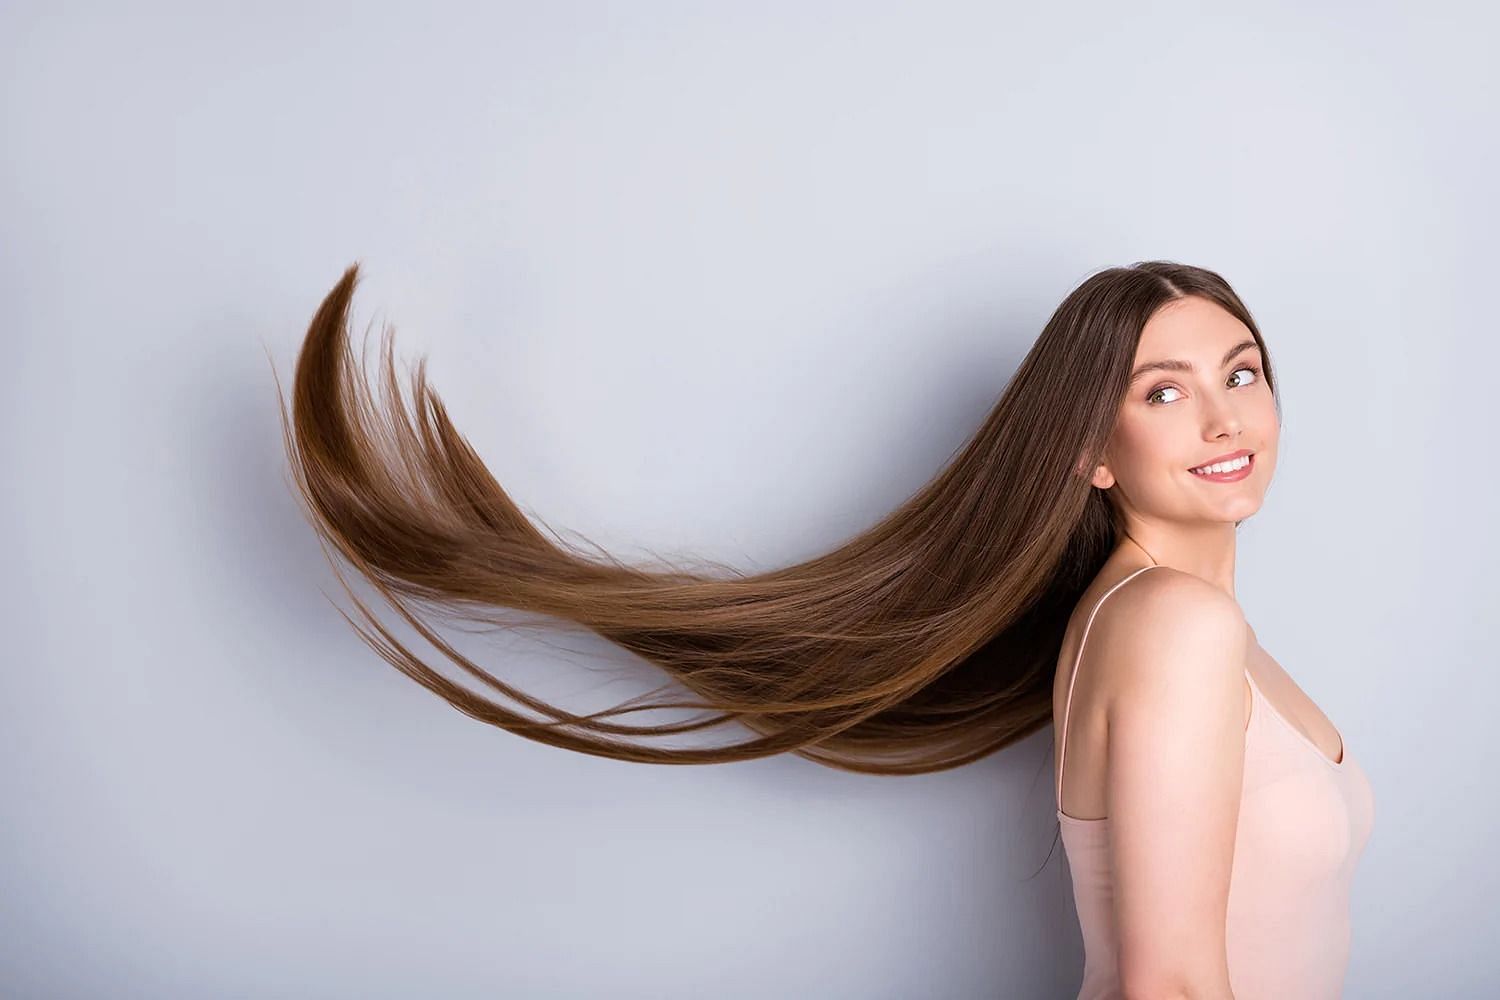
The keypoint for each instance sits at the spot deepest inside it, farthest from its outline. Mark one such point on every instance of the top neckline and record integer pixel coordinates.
(1337, 765)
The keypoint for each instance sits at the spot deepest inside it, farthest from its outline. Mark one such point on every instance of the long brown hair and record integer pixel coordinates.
(925, 642)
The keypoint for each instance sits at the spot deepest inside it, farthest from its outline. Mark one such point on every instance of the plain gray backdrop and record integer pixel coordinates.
(725, 281)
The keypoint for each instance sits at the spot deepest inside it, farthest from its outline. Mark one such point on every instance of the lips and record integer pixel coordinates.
(1231, 476)
(1231, 456)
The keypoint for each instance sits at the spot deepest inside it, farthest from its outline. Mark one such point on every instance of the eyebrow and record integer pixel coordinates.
(1173, 365)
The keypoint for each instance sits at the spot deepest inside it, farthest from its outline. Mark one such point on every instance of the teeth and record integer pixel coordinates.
(1238, 463)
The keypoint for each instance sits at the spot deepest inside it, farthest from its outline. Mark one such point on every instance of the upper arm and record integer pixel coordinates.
(1175, 771)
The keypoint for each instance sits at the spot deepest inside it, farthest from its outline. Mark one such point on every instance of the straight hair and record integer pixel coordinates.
(927, 641)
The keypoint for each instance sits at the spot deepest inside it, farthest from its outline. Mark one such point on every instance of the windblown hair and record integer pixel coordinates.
(925, 642)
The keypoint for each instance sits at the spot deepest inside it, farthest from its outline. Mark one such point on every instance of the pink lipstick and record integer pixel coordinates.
(1230, 475)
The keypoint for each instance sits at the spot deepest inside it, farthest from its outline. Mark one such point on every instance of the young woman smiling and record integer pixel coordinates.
(1211, 815)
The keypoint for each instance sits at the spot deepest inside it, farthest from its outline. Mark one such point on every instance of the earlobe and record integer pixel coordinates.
(1101, 476)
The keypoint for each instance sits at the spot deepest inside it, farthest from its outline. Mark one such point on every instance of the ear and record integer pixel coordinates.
(1101, 476)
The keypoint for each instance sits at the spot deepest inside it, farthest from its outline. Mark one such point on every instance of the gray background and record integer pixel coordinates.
(722, 281)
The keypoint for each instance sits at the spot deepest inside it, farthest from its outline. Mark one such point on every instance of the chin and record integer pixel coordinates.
(1243, 514)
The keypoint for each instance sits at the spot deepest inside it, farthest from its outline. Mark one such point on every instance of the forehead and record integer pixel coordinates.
(1190, 328)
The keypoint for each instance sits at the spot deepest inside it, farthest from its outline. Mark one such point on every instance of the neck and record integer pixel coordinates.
(1206, 551)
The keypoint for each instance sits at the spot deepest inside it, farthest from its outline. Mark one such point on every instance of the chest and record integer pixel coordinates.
(1291, 702)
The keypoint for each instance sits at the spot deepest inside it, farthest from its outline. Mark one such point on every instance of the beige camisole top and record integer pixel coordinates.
(1304, 821)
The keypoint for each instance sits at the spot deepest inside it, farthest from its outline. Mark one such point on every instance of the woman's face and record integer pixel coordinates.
(1209, 400)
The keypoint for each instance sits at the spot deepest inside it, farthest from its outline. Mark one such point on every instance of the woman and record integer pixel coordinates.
(1210, 813)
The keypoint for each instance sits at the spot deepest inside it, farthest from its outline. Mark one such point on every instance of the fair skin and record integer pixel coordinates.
(1160, 704)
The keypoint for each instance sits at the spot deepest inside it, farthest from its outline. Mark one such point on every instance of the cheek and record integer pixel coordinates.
(1135, 450)
(1268, 421)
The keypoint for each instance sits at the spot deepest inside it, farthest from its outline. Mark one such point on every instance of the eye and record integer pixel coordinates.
(1151, 396)
(1252, 369)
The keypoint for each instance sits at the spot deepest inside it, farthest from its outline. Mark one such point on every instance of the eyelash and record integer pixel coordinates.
(1250, 368)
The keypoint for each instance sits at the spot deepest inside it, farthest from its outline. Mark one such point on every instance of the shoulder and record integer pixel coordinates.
(1163, 623)
(1169, 597)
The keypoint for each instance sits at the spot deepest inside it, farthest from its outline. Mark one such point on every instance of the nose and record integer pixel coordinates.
(1221, 419)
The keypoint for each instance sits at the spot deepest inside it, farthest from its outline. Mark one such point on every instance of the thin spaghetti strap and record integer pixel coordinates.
(1077, 658)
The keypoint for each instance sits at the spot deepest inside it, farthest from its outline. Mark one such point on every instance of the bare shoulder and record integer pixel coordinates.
(1166, 622)
(1170, 597)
